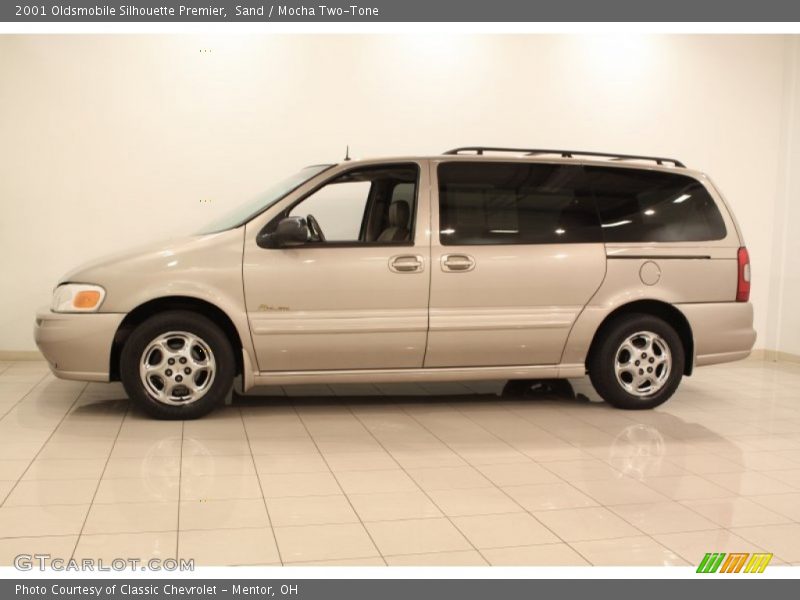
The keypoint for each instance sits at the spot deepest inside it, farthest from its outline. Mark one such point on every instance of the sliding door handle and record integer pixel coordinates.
(457, 263)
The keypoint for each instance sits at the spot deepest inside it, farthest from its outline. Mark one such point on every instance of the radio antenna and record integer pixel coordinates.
(347, 153)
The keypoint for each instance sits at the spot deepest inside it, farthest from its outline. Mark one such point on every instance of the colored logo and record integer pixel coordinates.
(734, 562)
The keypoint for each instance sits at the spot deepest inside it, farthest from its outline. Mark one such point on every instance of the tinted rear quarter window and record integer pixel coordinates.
(637, 205)
(515, 203)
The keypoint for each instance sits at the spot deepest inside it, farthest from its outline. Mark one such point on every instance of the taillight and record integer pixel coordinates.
(743, 279)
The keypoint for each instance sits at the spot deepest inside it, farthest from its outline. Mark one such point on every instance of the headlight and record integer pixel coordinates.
(77, 297)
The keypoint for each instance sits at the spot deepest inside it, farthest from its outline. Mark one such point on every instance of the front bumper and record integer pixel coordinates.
(77, 345)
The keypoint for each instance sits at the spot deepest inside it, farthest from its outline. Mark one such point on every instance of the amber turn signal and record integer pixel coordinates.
(86, 299)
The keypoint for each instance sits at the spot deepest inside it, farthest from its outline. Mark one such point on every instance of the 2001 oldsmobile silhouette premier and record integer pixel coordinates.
(476, 264)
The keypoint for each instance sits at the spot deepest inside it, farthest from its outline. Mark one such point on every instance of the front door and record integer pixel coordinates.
(517, 254)
(355, 295)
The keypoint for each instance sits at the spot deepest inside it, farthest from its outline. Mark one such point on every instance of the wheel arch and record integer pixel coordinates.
(657, 308)
(157, 305)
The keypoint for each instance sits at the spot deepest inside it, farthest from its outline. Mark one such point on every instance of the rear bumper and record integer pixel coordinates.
(77, 345)
(722, 331)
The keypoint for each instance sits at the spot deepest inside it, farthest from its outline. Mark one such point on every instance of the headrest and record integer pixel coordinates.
(399, 211)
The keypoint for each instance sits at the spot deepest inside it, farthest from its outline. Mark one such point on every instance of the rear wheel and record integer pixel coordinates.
(638, 363)
(177, 365)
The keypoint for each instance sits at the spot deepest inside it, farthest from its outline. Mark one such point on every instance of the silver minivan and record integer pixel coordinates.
(481, 263)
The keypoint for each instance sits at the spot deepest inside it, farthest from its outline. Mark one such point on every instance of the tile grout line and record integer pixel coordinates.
(487, 422)
(591, 457)
(260, 487)
(600, 504)
(49, 437)
(339, 484)
(401, 520)
(606, 506)
(495, 486)
(26, 394)
(416, 483)
(651, 536)
(100, 480)
(180, 488)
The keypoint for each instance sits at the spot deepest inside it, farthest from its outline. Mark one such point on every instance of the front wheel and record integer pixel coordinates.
(177, 365)
(638, 363)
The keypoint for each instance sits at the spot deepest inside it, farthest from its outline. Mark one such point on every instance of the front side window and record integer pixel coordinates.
(514, 203)
(339, 208)
(367, 205)
(637, 205)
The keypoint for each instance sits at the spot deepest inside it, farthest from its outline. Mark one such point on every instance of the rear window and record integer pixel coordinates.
(515, 203)
(636, 205)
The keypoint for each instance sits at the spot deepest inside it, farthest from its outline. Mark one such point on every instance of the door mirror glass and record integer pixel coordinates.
(291, 231)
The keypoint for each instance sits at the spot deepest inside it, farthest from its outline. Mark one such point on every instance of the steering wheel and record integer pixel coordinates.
(315, 229)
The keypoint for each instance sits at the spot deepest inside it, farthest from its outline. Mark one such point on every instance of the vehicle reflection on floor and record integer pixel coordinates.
(465, 473)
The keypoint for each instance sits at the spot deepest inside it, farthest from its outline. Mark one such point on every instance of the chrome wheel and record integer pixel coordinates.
(177, 368)
(643, 363)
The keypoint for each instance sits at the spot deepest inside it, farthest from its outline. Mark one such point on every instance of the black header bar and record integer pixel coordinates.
(377, 11)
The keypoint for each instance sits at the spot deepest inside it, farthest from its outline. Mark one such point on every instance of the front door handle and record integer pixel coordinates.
(457, 263)
(406, 263)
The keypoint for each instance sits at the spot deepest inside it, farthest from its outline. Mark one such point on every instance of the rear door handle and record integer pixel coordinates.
(457, 263)
(406, 263)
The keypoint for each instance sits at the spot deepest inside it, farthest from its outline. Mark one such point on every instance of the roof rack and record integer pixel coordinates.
(479, 150)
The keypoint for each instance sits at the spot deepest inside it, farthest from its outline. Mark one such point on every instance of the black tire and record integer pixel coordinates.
(178, 321)
(602, 361)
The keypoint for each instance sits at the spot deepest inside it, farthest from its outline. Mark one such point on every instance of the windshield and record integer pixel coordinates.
(244, 212)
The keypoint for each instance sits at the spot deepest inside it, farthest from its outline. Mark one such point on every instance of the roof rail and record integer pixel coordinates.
(479, 150)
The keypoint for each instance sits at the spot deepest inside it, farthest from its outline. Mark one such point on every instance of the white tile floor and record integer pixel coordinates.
(405, 475)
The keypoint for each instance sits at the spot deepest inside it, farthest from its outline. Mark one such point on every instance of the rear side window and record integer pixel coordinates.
(637, 205)
(514, 203)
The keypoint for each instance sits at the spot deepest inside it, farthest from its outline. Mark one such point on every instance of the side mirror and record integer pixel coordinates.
(291, 231)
